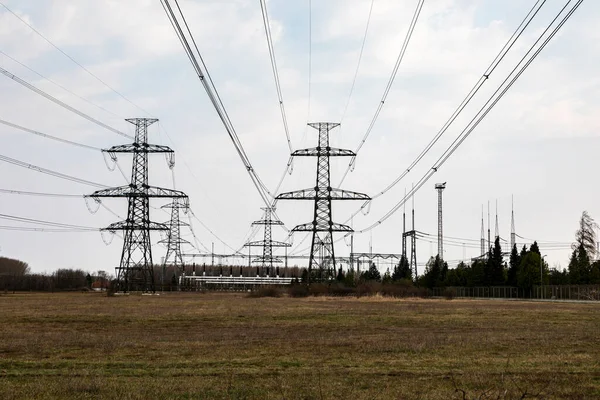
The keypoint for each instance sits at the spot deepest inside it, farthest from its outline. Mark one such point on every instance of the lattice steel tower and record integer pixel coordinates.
(135, 271)
(322, 226)
(440, 189)
(173, 241)
(267, 259)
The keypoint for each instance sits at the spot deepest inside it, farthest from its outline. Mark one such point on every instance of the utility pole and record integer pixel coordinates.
(513, 233)
(174, 239)
(413, 242)
(267, 260)
(497, 232)
(489, 229)
(322, 194)
(404, 227)
(440, 189)
(483, 252)
(135, 272)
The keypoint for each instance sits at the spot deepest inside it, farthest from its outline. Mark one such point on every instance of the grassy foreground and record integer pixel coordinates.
(229, 346)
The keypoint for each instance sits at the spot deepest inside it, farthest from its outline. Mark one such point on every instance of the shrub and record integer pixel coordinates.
(265, 291)
(298, 291)
(449, 294)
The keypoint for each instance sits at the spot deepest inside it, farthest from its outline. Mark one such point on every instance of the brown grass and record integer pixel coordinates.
(229, 346)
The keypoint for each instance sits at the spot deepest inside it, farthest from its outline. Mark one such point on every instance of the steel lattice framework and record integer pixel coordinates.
(135, 272)
(322, 250)
(267, 259)
(173, 241)
(440, 189)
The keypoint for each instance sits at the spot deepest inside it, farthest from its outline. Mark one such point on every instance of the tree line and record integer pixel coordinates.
(525, 267)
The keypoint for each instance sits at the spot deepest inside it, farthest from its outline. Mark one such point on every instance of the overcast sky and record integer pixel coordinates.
(540, 144)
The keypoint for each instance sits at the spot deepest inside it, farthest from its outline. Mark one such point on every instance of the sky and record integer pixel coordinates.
(538, 146)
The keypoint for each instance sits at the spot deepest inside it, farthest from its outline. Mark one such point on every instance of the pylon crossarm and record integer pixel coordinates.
(334, 194)
(124, 225)
(272, 243)
(304, 194)
(264, 260)
(310, 227)
(323, 151)
(167, 241)
(139, 148)
(132, 191)
(267, 222)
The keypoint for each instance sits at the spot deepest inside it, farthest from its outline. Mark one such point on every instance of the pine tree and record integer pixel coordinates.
(402, 270)
(494, 274)
(435, 272)
(535, 249)
(585, 236)
(515, 260)
(340, 275)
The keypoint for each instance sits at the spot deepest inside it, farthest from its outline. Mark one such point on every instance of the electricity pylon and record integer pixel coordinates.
(322, 226)
(440, 189)
(135, 272)
(267, 260)
(173, 241)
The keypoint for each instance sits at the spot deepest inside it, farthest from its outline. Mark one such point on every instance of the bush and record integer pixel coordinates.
(298, 291)
(449, 294)
(265, 291)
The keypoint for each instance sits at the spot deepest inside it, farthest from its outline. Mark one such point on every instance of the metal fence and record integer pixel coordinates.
(546, 292)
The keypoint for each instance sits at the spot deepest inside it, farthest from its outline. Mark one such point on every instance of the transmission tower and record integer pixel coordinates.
(440, 188)
(513, 233)
(267, 259)
(173, 241)
(322, 227)
(483, 252)
(135, 272)
(497, 231)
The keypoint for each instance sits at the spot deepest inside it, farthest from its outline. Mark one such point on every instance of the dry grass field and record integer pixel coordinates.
(229, 346)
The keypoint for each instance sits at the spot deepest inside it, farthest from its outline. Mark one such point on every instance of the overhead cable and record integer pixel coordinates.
(50, 172)
(61, 103)
(362, 48)
(73, 60)
(201, 70)
(482, 80)
(265, 15)
(515, 74)
(45, 135)
(60, 86)
(388, 87)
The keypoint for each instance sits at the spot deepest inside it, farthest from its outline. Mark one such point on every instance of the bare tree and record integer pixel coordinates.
(585, 236)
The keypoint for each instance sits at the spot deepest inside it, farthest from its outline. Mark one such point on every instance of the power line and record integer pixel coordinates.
(482, 80)
(61, 103)
(210, 88)
(74, 61)
(45, 135)
(362, 48)
(42, 222)
(487, 107)
(49, 172)
(388, 87)
(265, 15)
(60, 86)
(39, 194)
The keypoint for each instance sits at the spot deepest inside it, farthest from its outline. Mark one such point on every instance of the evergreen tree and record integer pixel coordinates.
(458, 276)
(387, 277)
(477, 274)
(585, 236)
(372, 274)
(515, 261)
(402, 270)
(523, 253)
(494, 273)
(579, 267)
(435, 272)
(535, 249)
(340, 275)
(595, 273)
(529, 271)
